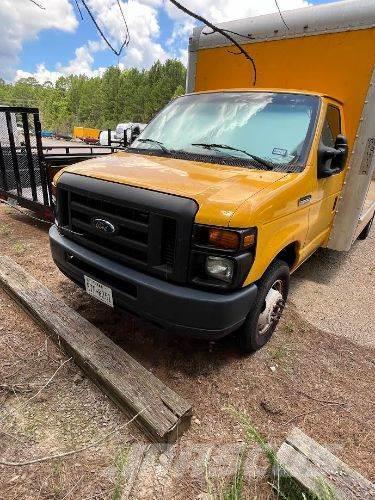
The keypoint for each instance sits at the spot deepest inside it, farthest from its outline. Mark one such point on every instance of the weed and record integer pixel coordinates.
(284, 356)
(57, 478)
(289, 328)
(283, 483)
(233, 490)
(120, 462)
(19, 248)
(5, 230)
(280, 353)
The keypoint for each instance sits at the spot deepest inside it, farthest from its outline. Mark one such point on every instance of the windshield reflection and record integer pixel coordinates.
(275, 127)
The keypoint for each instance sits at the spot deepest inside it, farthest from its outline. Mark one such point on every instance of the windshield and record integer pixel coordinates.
(254, 126)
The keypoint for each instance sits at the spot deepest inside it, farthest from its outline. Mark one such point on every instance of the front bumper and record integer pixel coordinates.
(198, 313)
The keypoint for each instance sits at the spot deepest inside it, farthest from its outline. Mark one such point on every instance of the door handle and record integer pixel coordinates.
(304, 200)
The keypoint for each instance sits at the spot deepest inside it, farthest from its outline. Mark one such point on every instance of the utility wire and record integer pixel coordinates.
(126, 24)
(38, 4)
(281, 14)
(222, 32)
(79, 10)
(127, 37)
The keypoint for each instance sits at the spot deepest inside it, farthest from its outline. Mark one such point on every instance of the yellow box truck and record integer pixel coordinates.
(198, 225)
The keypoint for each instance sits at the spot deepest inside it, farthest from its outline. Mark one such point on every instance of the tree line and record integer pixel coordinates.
(129, 95)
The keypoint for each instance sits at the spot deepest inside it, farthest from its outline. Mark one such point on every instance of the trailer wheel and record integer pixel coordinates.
(266, 312)
(366, 231)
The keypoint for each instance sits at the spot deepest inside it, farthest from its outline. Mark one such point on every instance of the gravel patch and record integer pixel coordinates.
(335, 291)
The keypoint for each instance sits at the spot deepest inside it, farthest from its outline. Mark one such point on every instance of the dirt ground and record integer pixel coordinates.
(335, 290)
(304, 377)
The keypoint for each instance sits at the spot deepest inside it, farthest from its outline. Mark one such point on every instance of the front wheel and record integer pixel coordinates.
(267, 309)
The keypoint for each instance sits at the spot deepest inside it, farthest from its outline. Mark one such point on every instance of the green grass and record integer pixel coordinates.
(120, 462)
(289, 328)
(5, 230)
(283, 484)
(19, 247)
(232, 491)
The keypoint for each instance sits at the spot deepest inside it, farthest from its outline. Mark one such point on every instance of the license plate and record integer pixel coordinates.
(99, 291)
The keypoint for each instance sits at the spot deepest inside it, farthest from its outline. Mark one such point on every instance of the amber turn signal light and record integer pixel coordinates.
(221, 238)
(248, 241)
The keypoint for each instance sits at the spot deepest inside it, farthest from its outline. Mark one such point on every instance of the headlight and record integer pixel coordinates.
(220, 268)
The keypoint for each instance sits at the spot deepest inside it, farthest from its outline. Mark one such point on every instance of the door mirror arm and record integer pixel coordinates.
(332, 161)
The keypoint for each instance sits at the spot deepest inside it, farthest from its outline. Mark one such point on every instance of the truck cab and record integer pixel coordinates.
(199, 223)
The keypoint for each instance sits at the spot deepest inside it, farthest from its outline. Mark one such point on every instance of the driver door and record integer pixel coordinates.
(326, 191)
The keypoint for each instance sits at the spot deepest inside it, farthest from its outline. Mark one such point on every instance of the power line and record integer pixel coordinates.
(127, 37)
(281, 14)
(79, 9)
(126, 24)
(222, 32)
(38, 4)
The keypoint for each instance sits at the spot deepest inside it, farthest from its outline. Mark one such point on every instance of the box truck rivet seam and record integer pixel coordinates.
(199, 223)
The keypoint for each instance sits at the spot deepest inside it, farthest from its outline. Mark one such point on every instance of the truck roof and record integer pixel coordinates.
(347, 15)
(257, 89)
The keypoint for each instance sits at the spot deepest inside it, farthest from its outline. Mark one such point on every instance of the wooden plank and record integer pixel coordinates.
(313, 466)
(164, 414)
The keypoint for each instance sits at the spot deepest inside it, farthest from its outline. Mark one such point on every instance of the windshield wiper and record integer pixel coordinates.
(260, 160)
(160, 144)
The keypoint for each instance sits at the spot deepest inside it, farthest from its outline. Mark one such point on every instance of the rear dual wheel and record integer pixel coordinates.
(267, 309)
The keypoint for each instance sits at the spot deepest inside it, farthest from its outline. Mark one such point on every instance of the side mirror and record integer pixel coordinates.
(332, 161)
(126, 144)
(135, 132)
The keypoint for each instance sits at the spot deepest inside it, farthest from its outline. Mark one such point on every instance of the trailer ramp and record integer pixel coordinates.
(23, 175)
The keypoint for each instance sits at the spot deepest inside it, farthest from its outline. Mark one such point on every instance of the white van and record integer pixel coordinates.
(129, 127)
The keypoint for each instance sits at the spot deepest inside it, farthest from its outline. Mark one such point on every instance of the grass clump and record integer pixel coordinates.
(283, 484)
(235, 489)
(120, 463)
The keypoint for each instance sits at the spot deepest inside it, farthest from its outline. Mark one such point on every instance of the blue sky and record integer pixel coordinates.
(46, 41)
(54, 46)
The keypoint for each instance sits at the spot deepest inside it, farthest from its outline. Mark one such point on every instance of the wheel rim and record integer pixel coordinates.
(274, 304)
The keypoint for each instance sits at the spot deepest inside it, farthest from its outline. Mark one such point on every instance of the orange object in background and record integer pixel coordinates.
(86, 133)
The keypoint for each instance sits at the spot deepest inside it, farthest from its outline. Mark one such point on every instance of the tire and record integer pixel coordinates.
(366, 231)
(256, 332)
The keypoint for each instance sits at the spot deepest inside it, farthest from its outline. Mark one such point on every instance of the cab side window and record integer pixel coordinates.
(331, 127)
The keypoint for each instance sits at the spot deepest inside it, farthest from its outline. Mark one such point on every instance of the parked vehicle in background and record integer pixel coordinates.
(198, 225)
(132, 130)
(86, 134)
(47, 134)
(106, 137)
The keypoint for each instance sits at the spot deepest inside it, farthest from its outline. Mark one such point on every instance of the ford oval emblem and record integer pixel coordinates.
(104, 226)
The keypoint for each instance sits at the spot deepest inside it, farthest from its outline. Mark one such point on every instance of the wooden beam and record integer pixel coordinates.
(164, 415)
(315, 468)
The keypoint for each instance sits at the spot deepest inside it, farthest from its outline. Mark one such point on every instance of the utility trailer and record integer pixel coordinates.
(27, 166)
(327, 49)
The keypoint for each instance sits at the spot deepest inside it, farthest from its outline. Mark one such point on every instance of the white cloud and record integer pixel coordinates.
(143, 18)
(219, 11)
(226, 10)
(21, 20)
(80, 65)
(144, 48)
